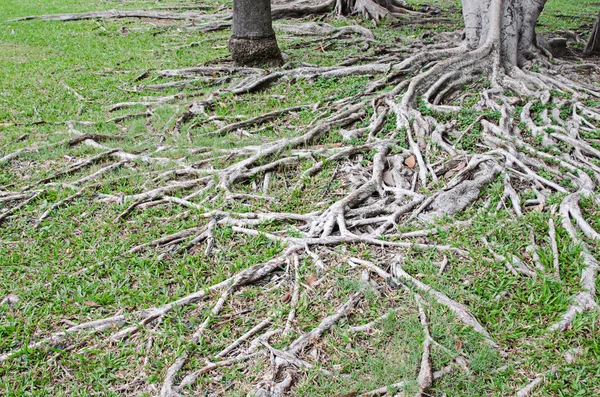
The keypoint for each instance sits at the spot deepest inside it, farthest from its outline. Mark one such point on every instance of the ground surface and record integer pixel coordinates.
(75, 266)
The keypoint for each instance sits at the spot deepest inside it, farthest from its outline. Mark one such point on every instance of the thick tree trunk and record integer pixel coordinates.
(499, 38)
(593, 45)
(253, 41)
(507, 24)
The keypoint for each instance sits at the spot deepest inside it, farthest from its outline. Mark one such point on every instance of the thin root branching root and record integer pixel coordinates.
(201, 19)
(530, 135)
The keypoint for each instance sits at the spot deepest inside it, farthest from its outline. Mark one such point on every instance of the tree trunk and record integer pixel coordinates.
(507, 24)
(593, 45)
(253, 41)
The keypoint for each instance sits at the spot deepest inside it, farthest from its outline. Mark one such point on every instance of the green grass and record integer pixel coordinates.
(75, 266)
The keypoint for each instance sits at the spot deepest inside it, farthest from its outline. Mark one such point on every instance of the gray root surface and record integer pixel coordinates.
(379, 193)
(371, 9)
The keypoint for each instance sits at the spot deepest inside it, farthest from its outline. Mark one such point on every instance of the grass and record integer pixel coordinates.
(75, 268)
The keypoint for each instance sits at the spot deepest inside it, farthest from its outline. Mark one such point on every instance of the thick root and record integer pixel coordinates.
(383, 185)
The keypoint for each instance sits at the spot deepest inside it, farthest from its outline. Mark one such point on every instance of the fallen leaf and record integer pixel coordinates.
(449, 174)
(454, 170)
(194, 249)
(310, 280)
(353, 394)
(410, 162)
(459, 344)
(286, 297)
(91, 304)
(459, 167)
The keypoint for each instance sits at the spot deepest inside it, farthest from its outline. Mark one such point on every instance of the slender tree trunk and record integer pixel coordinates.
(253, 41)
(509, 24)
(593, 45)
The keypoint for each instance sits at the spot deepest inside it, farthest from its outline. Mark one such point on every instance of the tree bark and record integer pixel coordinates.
(507, 24)
(593, 44)
(253, 41)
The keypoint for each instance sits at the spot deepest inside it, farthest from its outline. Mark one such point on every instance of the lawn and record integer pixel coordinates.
(76, 266)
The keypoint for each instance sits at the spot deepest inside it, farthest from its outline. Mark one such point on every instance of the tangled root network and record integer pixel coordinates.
(531, 137)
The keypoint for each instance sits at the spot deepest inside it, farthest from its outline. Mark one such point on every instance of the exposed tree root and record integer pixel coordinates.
(527, 390)
(121, 14)
(383, 184)
(374, 10)
(461, 312)
(382, 391)
(425, 378)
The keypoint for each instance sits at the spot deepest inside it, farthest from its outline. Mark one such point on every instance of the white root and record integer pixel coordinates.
(584, 300)
(533, 250)
(191, 378)
(382, 391)
(369, 326)
(295, 296)
(147, 316)
(289, 356)
(58, 204)
(553, 244)
(302, 342)
(527, 390)
(259, 327)
(461, 312)
(444, 264)
(515, 266)
(4, 215)
(425, 378)
(433, 177)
